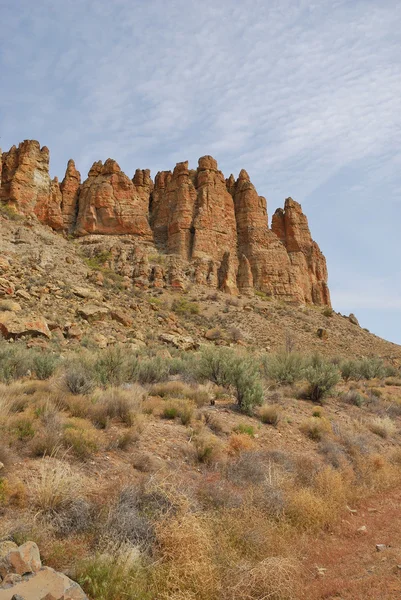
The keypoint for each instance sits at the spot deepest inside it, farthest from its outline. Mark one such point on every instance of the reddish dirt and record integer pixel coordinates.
(355, 570)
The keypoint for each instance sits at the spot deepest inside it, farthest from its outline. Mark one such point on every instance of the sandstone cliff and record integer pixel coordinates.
(210, 230)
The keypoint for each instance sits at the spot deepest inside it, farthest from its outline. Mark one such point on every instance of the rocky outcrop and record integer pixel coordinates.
(26, 183)
(110, 204)
(291, 227)
(209, 230)
(70, 188)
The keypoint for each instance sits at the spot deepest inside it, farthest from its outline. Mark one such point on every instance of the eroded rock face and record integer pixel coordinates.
(26, 183)
(110, 204)
(291, 227)
(214, 230)
(70, 188)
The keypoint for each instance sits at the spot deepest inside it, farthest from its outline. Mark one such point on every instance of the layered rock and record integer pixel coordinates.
(110, 204)
(70, 188)
(214, 231)
(26, 183)
(291, 227)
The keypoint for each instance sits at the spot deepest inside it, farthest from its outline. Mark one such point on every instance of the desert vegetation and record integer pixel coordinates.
(146, 474)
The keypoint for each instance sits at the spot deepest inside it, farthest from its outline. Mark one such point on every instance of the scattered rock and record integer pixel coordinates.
(121, 317)
(23, 294)
(381, 547)
(83, 292)
(24, 578)
(6, 288)
(352, 318)
(13, 326)
(179, 341)
(92, 313)
(22, 560)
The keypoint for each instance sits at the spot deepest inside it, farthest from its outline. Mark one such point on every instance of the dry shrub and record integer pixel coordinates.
(184, 409)
(393, 381)
(115, 403)
(238, 442)
(146, 463)
(308, 510)
(186, 545)
(208, 447)
(5, 454)
(55, 485)
(12, 492)
(333, 485)
(114, 574)
(270, 414)
(274, 578)
(178, 389)
(81, 438)
(383, 426)
(124, 440)
(248, 467)
(375, 472)
(76, 406)
(215, 423)
(215, 492)
(316, 428)
(153, 406)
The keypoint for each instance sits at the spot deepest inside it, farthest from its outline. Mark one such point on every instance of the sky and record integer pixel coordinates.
(303, 94)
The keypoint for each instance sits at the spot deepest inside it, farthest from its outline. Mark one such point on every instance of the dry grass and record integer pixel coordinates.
(274, 578)
(208, 447)
(316, 428)
(270, 414)
(239, 442)
(81, 437)
(383, 427)
(187, 552)
(115, 403)
(54, 485)
(199, 394)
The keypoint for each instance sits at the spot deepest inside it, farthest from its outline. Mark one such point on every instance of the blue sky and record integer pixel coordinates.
(305, 95)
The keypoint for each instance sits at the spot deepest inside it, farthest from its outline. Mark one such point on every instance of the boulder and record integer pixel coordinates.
(352, 318)
(91, 312)
(22, 560)
(24, 578)
(179, 341)
(13, 326)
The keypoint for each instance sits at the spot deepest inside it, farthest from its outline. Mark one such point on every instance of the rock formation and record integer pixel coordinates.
(208, 229)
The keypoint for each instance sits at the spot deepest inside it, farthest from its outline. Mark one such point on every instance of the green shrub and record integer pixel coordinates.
(170, 412)
(321, 377)
(44, 364)
(23, 427)
(225, 368)
(114, 575)
(182, 306)
(366, 368)
(153, 370)
(244, 428)
(15, 362)
(79, 378)
(348, 369)
(353, 397)
(370, 368)
(283, 367)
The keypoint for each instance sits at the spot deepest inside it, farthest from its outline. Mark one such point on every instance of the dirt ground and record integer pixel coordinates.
(345, 563)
